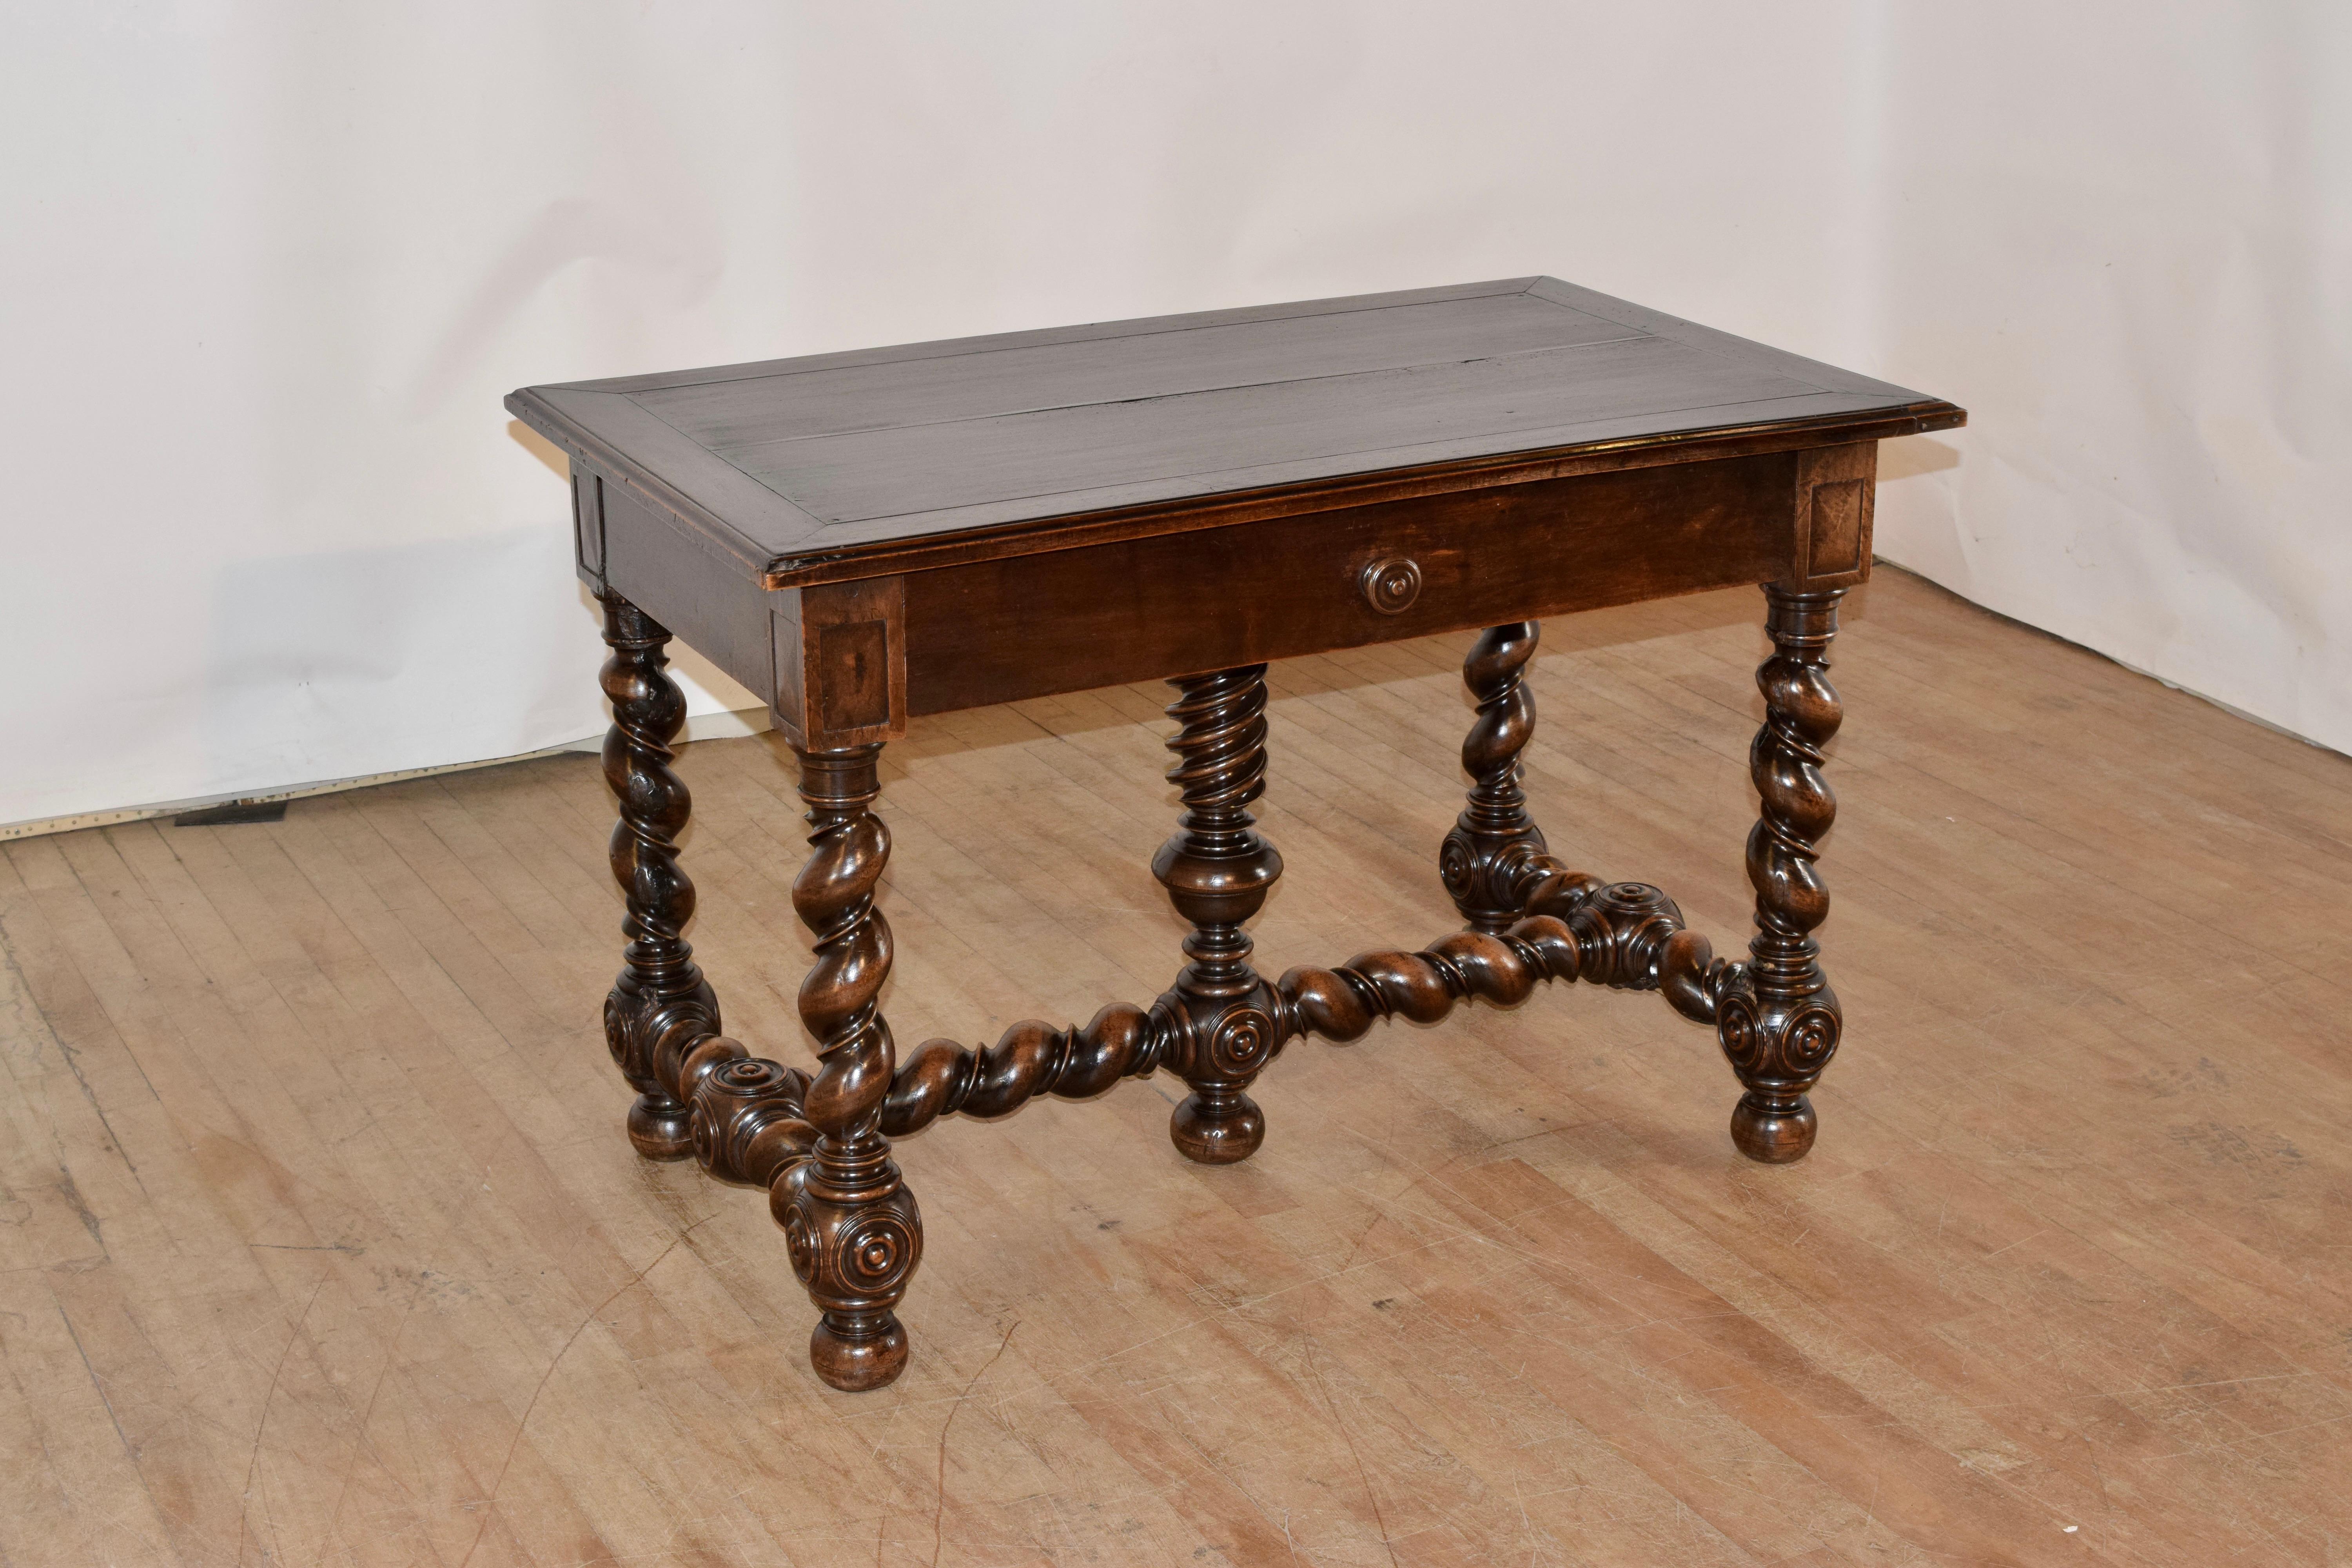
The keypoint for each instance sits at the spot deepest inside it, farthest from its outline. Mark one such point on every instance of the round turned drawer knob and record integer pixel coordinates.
(1391, 586)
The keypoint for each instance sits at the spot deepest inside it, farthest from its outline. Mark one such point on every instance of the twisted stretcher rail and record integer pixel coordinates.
(748, 1118)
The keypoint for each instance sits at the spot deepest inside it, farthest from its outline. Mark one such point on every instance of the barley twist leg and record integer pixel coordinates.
(1217, 871)
(1486, 859)
(660, 1005)
(855, 1232)
(1780, 1024)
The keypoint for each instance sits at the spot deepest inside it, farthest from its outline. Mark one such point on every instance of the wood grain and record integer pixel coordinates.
(1092, 456)
(317, 1240)
(1169, 360)
(837, 671)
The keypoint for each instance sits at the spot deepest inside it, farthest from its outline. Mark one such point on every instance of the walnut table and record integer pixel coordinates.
(864, 537)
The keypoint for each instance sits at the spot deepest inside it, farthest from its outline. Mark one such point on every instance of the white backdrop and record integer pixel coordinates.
(268, 268)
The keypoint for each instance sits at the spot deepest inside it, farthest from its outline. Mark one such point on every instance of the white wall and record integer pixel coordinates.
(2121, 237)
(269, 266)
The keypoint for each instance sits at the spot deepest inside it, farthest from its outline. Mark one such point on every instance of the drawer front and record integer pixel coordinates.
(1181, 604)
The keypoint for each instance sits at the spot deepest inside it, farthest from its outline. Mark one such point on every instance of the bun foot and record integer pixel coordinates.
(1773, 1133)
(657, 1126)
(1217, 1128)
(854, 1364)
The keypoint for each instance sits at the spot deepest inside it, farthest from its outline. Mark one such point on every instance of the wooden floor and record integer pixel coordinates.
(320, 1242)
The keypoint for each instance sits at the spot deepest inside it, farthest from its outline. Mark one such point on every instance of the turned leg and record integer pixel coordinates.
(850, 1221)
(1217, 871)
(1486, 856)
(660, 1005)
(1780, 1028)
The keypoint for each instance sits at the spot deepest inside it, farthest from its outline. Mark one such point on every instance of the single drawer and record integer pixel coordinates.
(1182, 604)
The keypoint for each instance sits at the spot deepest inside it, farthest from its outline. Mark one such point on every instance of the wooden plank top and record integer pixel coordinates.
(841, 466)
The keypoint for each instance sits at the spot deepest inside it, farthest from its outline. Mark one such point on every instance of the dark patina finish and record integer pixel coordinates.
(862, 537)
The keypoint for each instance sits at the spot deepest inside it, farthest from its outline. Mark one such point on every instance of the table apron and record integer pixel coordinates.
(847, 663)
(1143, 609)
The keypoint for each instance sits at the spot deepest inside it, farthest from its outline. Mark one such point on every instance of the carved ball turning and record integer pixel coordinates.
(1212, 1127)
(658, 1127)
(856, 1365)
(1243, 1041)
(1772, 1132)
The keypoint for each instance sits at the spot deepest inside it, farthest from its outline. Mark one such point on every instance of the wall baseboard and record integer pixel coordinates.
(701, 727)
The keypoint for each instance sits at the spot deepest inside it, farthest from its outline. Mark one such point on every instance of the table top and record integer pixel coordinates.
(834, 466)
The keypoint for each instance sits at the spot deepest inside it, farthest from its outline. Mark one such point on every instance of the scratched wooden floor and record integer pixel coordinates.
(321, 1243)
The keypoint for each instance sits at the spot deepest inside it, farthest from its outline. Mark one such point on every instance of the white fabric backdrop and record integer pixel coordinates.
(269, 266)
